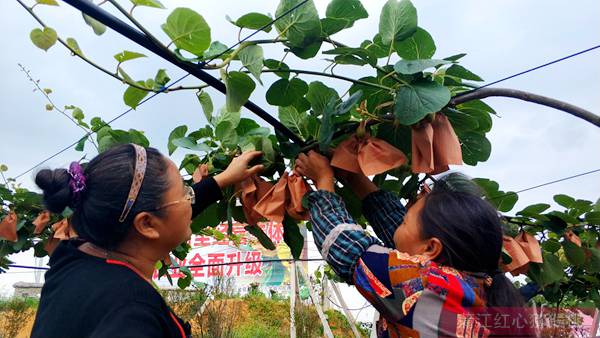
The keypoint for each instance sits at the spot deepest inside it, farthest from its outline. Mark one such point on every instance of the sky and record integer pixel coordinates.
(531, 144)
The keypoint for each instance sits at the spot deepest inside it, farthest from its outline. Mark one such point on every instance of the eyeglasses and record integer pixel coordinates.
(190, 196)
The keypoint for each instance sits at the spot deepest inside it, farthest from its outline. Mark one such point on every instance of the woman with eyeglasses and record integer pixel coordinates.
(432, 270)
(130, 209)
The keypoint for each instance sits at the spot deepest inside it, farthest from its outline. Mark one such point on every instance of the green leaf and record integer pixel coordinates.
(77, 114)
(308, 51)
(81, 144)
(461, 121)
(253, 21)
(239, 87)
(330, 112)
(550, 271)
(204, 132)
(398, 21)
(554, 223)
(593, 217)
(376, 47)
(327, 126)
(161, 79)
(534, 210)
(506, 202)
(267, 149)
(593, 264)
(397, 135)
(287, 148)
(128, 55)
(575, 254)
(98, 27)
(43, 39)
(178, 132)
(292, 237)
(419, 46)
(125, 76)
(564, 200)
(216, 48)
(551, 245)
(415, 66)
(296, 121)
(47, 2)
(225, 132)
(462, 73)
(490, 187)
(301, 27)
(72, 43)
(252, 58)
(245, 126)
(207, 105)
(189, 143)
(319, 95)
(133, 96)
(184, 282)
(188, 30)
(475, 148)
(582, 205)
(232, 117)
(342, 14)
(148, 3)
(285, 92)
(414, 101)
(276, 64)
(264, 240)
(353, 56)
(455, 57)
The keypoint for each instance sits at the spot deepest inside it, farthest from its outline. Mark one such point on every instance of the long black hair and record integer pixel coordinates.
(108, 180)
(470, 230)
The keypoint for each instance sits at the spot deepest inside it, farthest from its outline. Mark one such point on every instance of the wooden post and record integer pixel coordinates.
(374, 327)
(595, 323)
(293, 286)
(313, 297)
(326, 303)
(349, 316)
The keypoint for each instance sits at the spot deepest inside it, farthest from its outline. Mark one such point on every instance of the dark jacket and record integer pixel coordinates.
(87, 296)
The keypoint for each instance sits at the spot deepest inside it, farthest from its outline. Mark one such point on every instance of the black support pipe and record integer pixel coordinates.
(92, 10)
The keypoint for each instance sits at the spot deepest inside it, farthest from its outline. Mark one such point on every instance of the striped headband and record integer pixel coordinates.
(138, 177)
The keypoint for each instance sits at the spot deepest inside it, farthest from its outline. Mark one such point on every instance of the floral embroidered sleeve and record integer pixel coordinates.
(390, 280)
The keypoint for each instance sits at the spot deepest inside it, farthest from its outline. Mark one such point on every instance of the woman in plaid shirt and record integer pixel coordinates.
(431, 269)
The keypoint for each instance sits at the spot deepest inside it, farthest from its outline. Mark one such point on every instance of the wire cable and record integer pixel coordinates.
(531, 70)
(161, 90)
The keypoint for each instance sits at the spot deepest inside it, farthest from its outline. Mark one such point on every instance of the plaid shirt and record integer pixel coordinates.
(415, 296)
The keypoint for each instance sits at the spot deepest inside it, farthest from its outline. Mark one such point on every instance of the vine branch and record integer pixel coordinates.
(239, 48)
(100, 68)
(54, 106)
(530, 97)
(340, 77)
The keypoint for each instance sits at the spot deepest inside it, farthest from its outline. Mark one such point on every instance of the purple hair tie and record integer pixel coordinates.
(77, 182)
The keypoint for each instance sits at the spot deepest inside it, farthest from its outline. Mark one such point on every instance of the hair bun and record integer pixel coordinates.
(55, 185)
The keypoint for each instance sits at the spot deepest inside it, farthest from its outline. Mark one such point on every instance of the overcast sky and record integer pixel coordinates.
(530, 144)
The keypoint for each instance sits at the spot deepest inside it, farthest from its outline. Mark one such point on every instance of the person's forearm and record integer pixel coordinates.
(207, 192)
(385, 213)
(361, 185)
(337, 236)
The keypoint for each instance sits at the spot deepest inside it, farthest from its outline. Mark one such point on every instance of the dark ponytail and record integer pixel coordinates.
(55, 184)
(502, 292)
(108, 178)
(471, 233)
